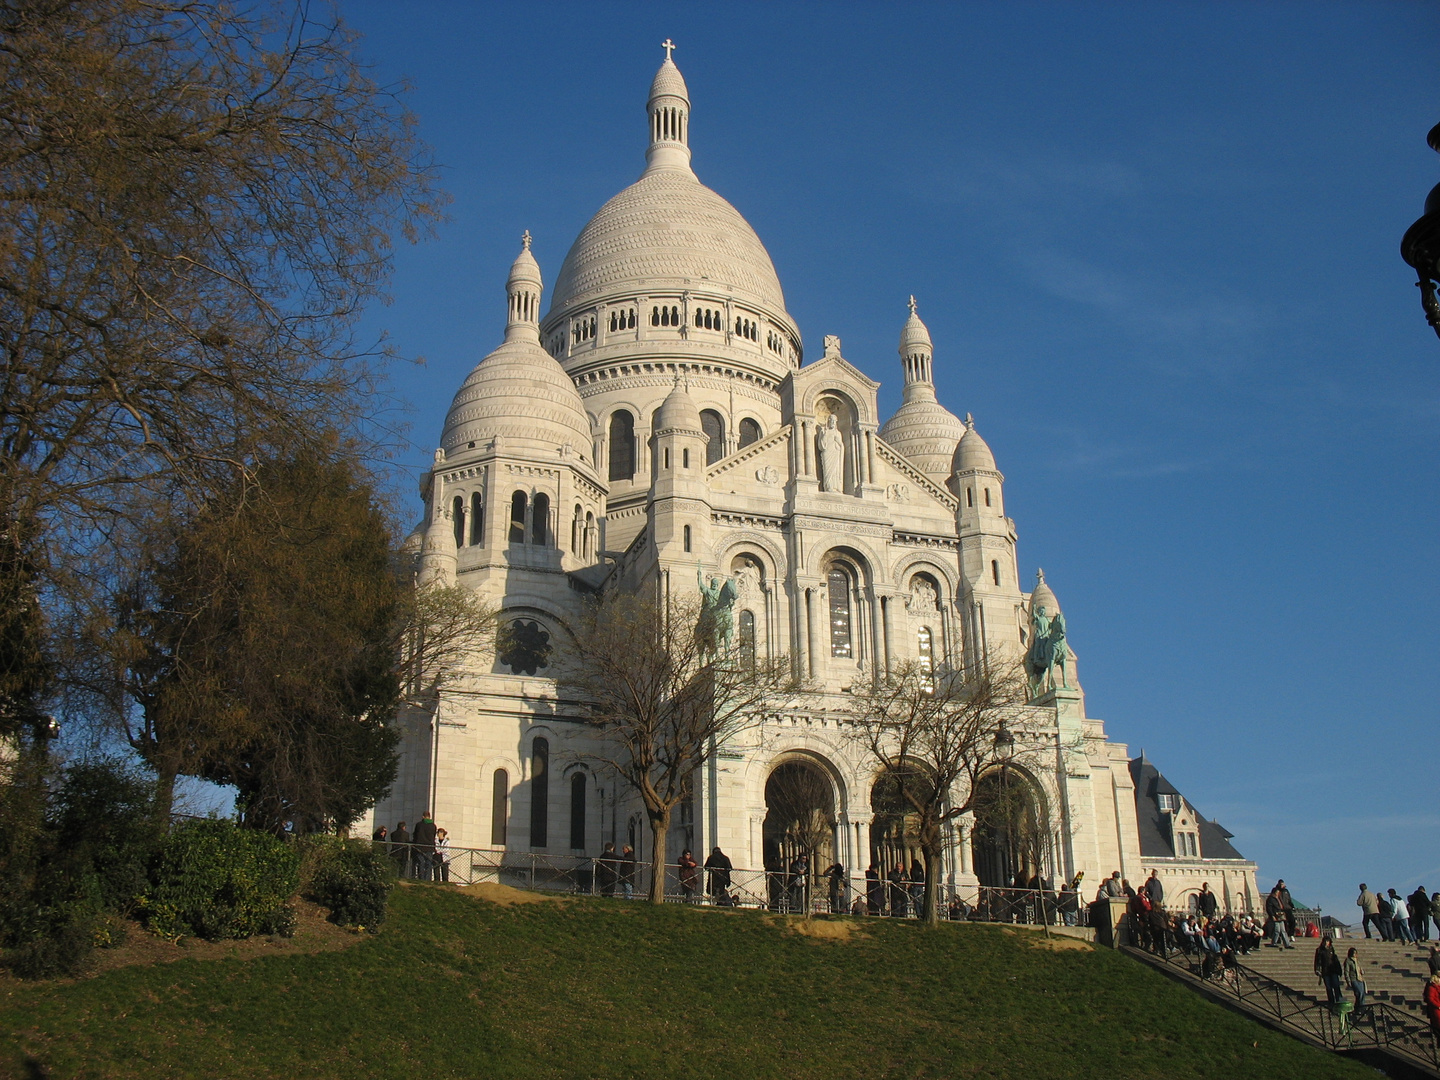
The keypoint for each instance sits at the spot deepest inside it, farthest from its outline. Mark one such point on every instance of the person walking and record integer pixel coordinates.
(1354, 978)
(688, 875)
(400, 849)
(1328, 970)
(717, 869)
(442, 856)
(1287, 905)
(422, 864)
(1369, 904)
(627, 871)
(1400, 919)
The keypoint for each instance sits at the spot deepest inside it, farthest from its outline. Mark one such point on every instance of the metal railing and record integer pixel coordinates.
(773, 890)
(1339, 1026)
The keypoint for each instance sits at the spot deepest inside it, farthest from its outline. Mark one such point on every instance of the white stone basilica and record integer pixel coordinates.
(659, 418)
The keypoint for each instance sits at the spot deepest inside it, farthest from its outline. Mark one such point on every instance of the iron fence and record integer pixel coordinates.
(1340, 1026)
(738, 887)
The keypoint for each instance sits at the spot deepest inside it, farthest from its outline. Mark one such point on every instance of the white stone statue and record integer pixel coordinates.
(830, 447)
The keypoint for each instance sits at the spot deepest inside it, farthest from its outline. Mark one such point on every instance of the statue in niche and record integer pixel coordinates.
(922, 596)
(747, 580)
(716, 627)
(1048, 650)
(830, 451)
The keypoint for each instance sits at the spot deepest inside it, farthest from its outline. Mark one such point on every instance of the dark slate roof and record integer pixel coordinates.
(1154, 836)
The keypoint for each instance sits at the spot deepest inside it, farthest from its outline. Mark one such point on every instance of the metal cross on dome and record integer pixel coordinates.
(669, 46)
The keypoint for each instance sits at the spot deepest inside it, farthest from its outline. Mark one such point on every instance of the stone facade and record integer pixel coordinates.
(659, 419)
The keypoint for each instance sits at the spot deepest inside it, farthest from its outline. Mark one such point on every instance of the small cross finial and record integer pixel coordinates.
(1039, 576)
(912, 305)
(526, 239)
(669, 46)
(969, 421)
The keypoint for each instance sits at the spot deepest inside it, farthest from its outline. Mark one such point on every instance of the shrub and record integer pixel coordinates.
(61, 943)
(352, 880)
(216, 880)
(102, 823)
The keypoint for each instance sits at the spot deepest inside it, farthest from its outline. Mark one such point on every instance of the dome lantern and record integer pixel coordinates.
(523, 290)
(916, 354)
(922, 429)
(669, 110)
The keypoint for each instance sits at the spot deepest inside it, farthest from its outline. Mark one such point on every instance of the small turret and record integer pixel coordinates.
(439, 556)
(916, 352)
(922, 429)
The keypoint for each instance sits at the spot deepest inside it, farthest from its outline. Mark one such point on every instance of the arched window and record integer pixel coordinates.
(654, 316)
(969, 496)
(687, 537)
(457, 514)
(622, 445)
(540, 793)
(477, 518)
(589, 535)
(925, 651)
(685, 458)
(540, 529)
(995, 570)
(749, 432)
(577, 812)
(519, 503)
(838, 582)
(747, 636)
(577, 530)
(987, 496)
(499, 807)
(713, 425)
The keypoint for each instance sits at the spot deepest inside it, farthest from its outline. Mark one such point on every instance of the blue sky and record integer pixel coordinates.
(1157, 248)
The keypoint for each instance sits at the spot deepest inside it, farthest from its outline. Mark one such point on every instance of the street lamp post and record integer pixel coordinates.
(1421, 246)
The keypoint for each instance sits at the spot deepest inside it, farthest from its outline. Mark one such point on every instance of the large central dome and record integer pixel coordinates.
(667, 231)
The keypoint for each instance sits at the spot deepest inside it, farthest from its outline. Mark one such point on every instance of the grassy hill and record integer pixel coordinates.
(457, 986)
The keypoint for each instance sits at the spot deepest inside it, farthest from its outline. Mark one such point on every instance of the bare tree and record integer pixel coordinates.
(799, 800)
(932, 734)
(664, 695)
(442, 629)
(198, 199)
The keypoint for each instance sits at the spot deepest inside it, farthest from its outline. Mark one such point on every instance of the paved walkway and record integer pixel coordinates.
(1394, 972)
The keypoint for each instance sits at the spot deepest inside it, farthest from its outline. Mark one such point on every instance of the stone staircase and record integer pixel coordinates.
(1394, 972)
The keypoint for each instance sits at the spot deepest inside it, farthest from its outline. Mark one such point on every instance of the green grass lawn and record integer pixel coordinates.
(456, 987)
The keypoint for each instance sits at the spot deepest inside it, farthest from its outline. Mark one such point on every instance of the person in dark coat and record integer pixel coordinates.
(1287, 904)
(606, 870)
(1419, 902)
(689, 877)
(423, 860)
(799, 884)
(1206, 901)
(378, 841)
(836, 873)
(874, 891)
(917, 886)
(899, 898)
(400, 849)
(1155, 891)
(1328, 969)
(717, 869)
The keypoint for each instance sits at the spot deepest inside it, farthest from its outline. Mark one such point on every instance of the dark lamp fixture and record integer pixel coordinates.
(1004, 741)
(1421, 246)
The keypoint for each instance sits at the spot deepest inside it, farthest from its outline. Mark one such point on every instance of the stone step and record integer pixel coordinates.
(1394, 972)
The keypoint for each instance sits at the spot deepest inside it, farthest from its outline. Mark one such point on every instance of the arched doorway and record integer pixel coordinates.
(894, 828)
(799, 822)
(1011, 837)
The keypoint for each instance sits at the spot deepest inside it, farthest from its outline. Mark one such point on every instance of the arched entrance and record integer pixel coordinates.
(894, 832)
(1011, 838)
(799, 822)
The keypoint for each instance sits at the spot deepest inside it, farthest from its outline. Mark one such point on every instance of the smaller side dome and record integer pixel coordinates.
(1043, 596)
(973, 453)
(678, 412)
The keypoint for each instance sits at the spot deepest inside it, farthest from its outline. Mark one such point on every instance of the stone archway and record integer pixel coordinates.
(894, 835)
(800, 820)
(1010, 841)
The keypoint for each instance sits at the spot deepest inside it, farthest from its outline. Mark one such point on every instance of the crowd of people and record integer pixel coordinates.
(422, 855)
(1399, 918)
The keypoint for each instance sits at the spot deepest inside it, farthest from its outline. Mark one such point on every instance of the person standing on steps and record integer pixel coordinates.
(1287, 904)
(1368, 904)
(1419, 903)
(1432, 1007)
(1275, 914)
(1400, 919)
(1328, 969)
(1354, 978)
(1433, 960)
(1206, 902)
(1154, 890)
